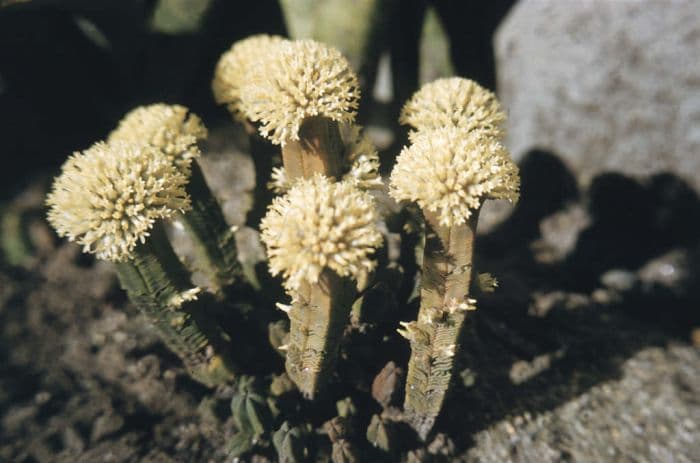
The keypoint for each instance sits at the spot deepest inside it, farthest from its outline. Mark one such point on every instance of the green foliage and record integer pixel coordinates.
(289, 443)
(250, 410)
(155, 281)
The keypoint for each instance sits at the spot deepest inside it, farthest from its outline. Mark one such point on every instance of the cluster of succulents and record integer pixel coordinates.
(323, 232)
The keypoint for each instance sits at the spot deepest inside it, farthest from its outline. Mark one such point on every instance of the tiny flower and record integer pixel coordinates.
(361, 159)
(279, 182)
(454, 102)
(177, 300)
(302, 79)
(108, 197)
(414, 333)
(451, 172)
(235, 65)
(170, 128)
(320, 224)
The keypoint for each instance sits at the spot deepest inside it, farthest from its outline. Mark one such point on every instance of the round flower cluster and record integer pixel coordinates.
(108, 197)
(170, 128)
(320, 224)
(232, 70)
(451, 171)
(454, 102)
(302, 79)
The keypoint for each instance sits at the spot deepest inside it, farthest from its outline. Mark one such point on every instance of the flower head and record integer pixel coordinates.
(235, 65)
(320, 224)
(108, 197)
(302, 79)
(170, 128)
(451, 172)
(454, 102)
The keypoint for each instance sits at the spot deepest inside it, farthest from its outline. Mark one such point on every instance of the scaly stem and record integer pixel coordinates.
(213, 239)
(447, 274)
(156, 281)
(319, 312)
(318, 150)
(318, 316)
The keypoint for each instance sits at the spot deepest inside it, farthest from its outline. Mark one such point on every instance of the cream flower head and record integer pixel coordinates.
(320, 224)
(451, 172)
(302, 79)
(234, 66)
(108, 197)
(454, 102)
(170, 128)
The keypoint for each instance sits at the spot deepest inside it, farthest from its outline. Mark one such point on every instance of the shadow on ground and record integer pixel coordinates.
(555, 329)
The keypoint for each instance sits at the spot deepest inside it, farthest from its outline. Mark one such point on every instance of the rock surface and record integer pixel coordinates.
(607, 85)
(644, 416)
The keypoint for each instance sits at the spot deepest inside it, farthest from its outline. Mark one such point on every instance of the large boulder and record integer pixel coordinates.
(606, 85)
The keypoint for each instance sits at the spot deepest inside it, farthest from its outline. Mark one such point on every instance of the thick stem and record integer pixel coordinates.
(318, 150)
(318, 318)
(320, 311)
(447, 275)
(156, 281)
(213, 239)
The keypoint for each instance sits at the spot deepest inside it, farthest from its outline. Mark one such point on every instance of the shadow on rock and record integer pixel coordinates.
(554, 329)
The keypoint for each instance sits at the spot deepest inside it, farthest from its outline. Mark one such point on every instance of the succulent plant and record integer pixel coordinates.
(112, 199)
(455, 162)
(346, 407)
(251, 413)
(289, 443)
(175, 131)
(344, 452)
(380, 433)
(319, 236)
(299, 96)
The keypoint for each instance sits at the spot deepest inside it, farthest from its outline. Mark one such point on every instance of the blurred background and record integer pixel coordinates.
(70, 69)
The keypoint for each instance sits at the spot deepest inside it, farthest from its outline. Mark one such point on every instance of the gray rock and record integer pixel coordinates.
(607, 85)
(644, 416)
